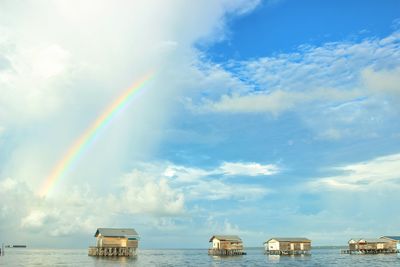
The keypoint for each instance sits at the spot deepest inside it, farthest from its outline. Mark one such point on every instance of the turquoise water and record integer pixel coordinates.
(192, 257)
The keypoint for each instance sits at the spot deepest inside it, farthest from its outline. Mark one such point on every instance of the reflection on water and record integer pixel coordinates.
(193, 257)
(103, 261)
(274, 258)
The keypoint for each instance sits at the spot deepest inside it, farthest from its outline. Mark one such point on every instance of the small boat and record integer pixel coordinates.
(16, 246)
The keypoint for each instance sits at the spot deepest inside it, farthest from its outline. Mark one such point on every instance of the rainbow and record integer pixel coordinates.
(91, 133)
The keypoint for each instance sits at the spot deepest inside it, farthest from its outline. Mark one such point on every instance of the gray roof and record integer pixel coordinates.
(226, 238)
(289, 239)
(396, 238)
(370, 240)
(116, 232)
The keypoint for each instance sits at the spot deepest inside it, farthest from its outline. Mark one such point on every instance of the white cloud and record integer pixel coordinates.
(141, 193)
(184, 174)
(57, 77)
(49, 62)
(35, 219)
(220, 190)
(155, 192)
(249, 169)
(187, 174)
(381, 172)
(205, 184)
(330, 73)
(277, 101)
(339, 90)
(386, 81)
(81, 209)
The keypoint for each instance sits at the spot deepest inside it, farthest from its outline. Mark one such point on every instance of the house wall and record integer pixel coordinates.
(272, 245)
(133, 243)
(369, 246)
(231, 245)
(216, 243)
(112, 241)
(353, 246)
(295, 246)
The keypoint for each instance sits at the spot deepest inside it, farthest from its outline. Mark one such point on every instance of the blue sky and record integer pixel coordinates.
(279, 26)
(265, 118)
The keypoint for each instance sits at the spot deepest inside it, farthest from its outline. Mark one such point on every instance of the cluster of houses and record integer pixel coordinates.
(124, 242)
(233, 245)
(385, 244)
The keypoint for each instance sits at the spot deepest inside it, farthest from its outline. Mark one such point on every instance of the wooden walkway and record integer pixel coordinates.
(226, 252)
(288, 252)
(369, 251)
(112, 251)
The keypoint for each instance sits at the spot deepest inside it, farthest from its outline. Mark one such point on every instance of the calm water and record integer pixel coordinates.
(195, 257)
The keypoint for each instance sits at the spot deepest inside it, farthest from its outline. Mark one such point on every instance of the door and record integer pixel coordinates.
(291, 246)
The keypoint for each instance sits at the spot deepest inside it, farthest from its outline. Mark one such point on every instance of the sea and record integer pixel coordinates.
(323, 256)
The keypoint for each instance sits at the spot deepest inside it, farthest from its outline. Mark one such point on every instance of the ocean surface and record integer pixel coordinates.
(192, 257)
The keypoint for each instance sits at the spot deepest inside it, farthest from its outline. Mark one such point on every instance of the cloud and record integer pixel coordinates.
(381, 172)
(278, 101)
(157, 192)
(332, 73)
(209, 184)
(220, 190)
(384, 82)
(248, 169)
(338, 90)
(187, 174)
(141, 192)
(56, 78)
(35, 219)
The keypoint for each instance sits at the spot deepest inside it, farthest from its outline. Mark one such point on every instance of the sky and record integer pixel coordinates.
(256, 118)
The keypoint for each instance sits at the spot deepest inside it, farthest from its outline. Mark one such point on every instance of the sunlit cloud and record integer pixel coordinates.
(380, 172)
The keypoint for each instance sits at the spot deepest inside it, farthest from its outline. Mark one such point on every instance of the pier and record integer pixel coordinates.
(287, 252)
(369, 251)
(226, 252)
(112, 251)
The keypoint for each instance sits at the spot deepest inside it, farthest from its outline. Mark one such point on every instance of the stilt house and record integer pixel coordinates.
(287, 246)
(226, 245)
(371, 246)
(395, 239)
(115, 242)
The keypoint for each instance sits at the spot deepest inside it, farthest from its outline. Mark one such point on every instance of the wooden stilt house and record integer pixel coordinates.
(370, 246)
(287, 246)
(394, 239)
(115, 242)
(226, 245)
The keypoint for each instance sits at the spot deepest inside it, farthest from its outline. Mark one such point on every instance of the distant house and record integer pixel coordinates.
(226, 245)
(395, 239)
(115, 242)
(287, 246)
(371, 246)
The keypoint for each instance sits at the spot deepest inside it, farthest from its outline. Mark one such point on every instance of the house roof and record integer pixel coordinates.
(289, 239)
(396, 238)
(226, 238)
(116, 232)
(370, 240)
